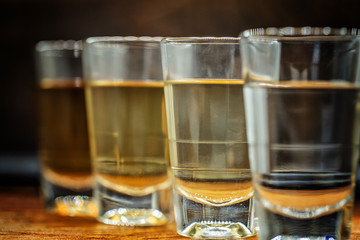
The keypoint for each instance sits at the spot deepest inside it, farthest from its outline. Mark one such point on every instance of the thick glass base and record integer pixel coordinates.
(75, 206)
(68, 202)
(120, 209)
(134, 217)
(216, 230)
(197, 220)
(295, 237)
(334, 226)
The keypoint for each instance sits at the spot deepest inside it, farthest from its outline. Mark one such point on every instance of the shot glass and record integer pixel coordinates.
(302, 110)
(63, 138)
(124, 94)
(207, 137)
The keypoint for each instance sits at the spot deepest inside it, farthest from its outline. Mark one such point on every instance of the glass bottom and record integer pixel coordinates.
(216, 230)
(134, 217)
(116, 208)
(198, 220)
(75, 206)
(295, 237)
(68, 202)
(336, 225)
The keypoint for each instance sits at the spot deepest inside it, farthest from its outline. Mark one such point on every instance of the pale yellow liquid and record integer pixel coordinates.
(206, 124)
(207, 131)
(127, 136)
(209, 158)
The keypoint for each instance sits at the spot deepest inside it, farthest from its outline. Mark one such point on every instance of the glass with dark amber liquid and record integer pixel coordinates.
(63, 137)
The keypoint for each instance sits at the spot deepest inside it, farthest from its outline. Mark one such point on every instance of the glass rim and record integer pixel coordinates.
(301, 33)
(58, 45)
(201, 40)
(122, 39)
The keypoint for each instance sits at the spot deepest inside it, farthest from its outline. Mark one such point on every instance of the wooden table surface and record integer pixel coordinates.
(23, 217)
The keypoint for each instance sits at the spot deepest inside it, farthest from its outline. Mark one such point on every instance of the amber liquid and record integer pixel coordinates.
(64, 146)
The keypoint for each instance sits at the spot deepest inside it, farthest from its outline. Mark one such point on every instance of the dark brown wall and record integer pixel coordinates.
(25, 22)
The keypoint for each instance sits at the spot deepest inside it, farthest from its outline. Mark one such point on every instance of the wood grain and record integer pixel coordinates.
(23, 217)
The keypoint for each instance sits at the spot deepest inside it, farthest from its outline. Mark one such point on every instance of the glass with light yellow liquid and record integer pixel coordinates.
(128, 144)
(207, 138)
(63, 138)
(212, 179)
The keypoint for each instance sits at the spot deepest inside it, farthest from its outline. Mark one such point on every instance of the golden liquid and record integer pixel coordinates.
(64, 149)
(127, 135)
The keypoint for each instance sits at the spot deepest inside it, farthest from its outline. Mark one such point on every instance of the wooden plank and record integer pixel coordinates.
(22, 216)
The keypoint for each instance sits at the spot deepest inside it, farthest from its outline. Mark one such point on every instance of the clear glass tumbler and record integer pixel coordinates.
(124, 94)
(302, 110)
(63, 138)
(207, 137)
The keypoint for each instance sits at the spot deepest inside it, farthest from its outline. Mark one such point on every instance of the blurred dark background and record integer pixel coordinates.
(25, 22)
